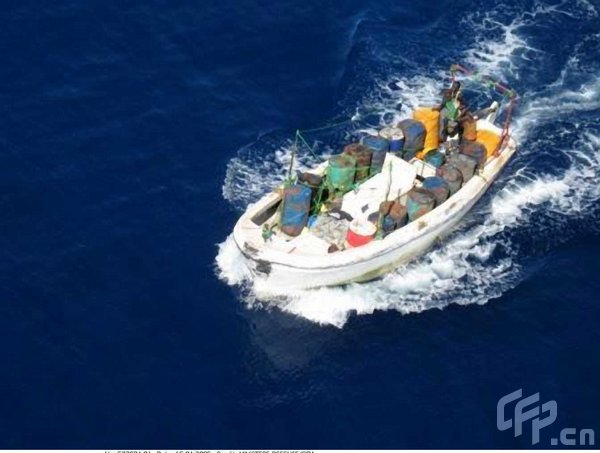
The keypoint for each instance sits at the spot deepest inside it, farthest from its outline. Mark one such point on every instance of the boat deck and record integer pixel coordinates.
(395, 180)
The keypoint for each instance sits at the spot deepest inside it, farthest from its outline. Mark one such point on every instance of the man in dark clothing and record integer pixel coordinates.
(452, 109)
(449, 96)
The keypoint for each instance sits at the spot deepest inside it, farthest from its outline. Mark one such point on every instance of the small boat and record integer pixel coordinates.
(366, 247)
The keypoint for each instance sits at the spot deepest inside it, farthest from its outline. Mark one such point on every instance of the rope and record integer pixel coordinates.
(507, 93)
(318, 199)
(328, 126)
(505, 127)
(486, 80)
(302, 139)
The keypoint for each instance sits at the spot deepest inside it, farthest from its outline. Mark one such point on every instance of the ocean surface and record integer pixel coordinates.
(132, 136)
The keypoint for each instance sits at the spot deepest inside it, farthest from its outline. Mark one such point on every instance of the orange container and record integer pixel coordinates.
(431, 120)
(488, 139)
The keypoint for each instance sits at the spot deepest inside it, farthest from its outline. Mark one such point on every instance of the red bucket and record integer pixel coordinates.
(360, 232)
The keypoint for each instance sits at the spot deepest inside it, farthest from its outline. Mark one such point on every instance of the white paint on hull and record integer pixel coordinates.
(303, 271)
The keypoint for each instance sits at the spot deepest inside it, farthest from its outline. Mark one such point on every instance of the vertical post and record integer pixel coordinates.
(506, 125)
(294, 149)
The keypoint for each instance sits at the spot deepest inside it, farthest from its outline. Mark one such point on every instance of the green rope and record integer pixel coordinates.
(299, 139)
(318, 202)
(299, 136)
(328, 126)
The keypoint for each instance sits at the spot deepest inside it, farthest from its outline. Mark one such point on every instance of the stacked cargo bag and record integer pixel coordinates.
(341, 172)
(431, 121)
(395, 137)
(438, 187)
(475, 150)
(295, 209)
(452, 176)
(465, 164)
(414, 137)
(380, 146)
(363, 155)
(419, 202)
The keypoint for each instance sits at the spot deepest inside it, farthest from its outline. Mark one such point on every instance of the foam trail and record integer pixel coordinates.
(230, 263)
(496, 57)
(500, 49)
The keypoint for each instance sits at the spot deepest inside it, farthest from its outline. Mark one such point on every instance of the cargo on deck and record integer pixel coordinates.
(375, 205)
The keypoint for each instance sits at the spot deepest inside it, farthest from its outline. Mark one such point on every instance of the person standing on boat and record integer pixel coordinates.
(452, 108)
(468, 127)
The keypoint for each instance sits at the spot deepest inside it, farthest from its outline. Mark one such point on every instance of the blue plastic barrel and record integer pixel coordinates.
(397, 144)
(419, 202)
(452, 176)
(414, 136)
(435, 158)
(295, 209)
(408, 154)
(380, 147)
(394, 136)
(438, 187)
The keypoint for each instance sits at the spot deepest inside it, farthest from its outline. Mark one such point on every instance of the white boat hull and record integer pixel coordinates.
(278, 270)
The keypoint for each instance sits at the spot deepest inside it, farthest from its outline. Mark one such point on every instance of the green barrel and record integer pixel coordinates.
(435, 158)
(341, 171)
(419, 202)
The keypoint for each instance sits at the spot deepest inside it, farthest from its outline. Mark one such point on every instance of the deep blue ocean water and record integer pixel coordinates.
(133, 134)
